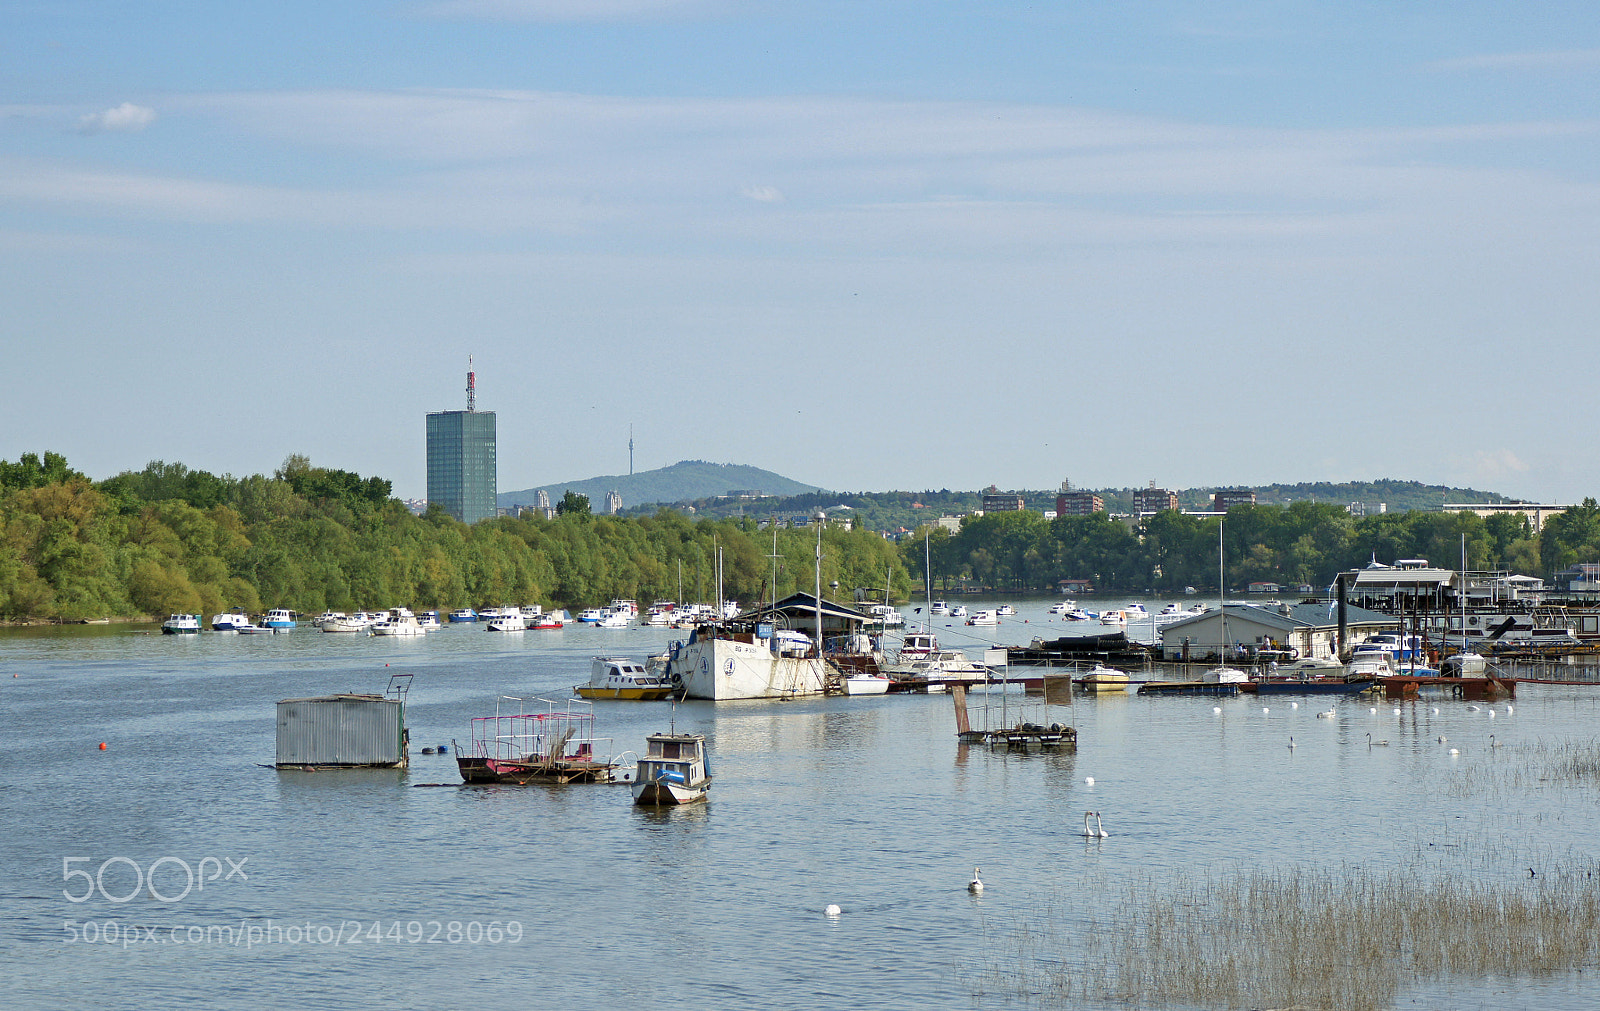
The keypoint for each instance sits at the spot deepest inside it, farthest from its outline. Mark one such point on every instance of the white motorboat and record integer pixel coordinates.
(399, 621)
(229, 622)
(250, 629)
(361, 621)
(672, 771)
(863, 683)
(181, 624)
(613, 619)
(279, 617)
(629, 608)
(1224, 675)
(885, 616)
(429, 621)
(1116, 618)
(939, 608)
(984, 618)
(1006, 611)
(325, 617)
(591, 615)
(1063, 606)
(958, 611)
(507, 622)
(1104, 679)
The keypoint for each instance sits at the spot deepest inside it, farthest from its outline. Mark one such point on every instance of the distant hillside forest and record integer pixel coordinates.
(898, 510)
(169, 539)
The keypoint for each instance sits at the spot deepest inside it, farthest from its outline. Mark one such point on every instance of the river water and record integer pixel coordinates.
(367, 888)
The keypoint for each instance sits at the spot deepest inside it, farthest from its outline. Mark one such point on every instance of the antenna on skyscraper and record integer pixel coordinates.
(630, 450)
(472, 387)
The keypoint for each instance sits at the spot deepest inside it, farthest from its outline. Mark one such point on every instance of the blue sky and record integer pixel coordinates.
(866, 245)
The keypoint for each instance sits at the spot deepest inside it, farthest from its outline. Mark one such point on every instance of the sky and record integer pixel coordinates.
(866, 245)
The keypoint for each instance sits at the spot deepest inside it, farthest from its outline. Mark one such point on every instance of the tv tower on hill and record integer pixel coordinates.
(472, 387)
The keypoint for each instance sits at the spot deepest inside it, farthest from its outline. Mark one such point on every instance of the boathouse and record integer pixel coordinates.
(799, 611)
(1298, 630)
(341, 731)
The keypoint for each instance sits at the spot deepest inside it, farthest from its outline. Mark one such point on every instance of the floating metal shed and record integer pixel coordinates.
(342, 731)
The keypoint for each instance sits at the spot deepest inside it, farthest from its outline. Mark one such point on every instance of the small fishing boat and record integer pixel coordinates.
(673, 771)
(615, 677)
(279, 617)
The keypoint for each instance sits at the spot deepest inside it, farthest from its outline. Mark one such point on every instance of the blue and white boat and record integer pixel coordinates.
(279, 617)
(229, 622)
(463, 614)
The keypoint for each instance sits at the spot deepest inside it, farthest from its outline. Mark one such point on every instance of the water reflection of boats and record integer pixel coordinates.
(615, 677)
(672, 771)
(555, 746)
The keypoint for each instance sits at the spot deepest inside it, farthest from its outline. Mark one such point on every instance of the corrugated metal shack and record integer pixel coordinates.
(342, 731)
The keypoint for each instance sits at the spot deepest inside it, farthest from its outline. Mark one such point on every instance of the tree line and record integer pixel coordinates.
(1303, 543)
(169, 539)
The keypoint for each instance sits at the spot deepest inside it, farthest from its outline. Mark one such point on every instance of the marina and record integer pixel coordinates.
(797, 781)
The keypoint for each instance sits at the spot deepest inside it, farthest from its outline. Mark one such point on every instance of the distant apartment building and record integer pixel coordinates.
(1222, 501)
(1153, 500)
(995, 502)
(613, 502)
(1079, 503)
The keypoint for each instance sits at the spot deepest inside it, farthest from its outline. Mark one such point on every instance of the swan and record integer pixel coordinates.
(1494, 743)
(1265, 710)
(1491, 714)
(1098, 832)
(1510, 709)
(1442, 739)
(831, 910)
(1376, 744)
(1326, 716)
(975, 886)
(1435, 710)
(1397, 712)
(1455, 751)
(1216, 709)
(1294, 705)
(1373, 710)
(1472, 709)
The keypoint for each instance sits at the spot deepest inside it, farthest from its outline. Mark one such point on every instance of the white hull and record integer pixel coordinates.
(667, 794)
(866, 684)
(722, 669)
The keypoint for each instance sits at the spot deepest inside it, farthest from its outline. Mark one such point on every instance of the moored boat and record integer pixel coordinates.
(615, 677)
(229, 621)
(672, 771)
(181, 624)
(553, 746)
(463, 614)
(279, 617)
(1103, 679)
(399, 621)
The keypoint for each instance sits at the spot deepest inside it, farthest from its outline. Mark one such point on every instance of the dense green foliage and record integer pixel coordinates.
(168, 539)
(1306, 543)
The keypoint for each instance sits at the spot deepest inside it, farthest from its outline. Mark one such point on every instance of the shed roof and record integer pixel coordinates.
(1315, 615)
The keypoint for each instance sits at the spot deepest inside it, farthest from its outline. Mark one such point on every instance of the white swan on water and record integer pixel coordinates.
(831, 910)
(975, 886)
(1098, 832)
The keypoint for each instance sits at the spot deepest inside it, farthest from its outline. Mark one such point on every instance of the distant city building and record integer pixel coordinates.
(1222, 501)
(995, 502)
(1079, 503)
(462, 472)
(1153, 500)
(613, 502)
(1535, 514)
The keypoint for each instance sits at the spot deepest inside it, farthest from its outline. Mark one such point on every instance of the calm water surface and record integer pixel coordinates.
(867, 803)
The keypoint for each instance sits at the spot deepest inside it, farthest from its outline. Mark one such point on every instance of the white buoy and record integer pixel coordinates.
(1265, 710)
(1216, 709)
(831, 910)
(1294, 705)
(1089, 780)
(1397, 712)
(1455, 751)
(1374, 709)
(975, 886)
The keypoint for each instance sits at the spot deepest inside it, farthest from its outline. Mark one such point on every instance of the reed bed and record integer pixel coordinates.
(1305, 938)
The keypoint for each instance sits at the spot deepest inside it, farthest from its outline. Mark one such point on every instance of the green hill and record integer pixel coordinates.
(684, 481)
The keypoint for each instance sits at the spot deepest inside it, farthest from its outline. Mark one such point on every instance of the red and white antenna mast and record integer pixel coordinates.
(472, 387)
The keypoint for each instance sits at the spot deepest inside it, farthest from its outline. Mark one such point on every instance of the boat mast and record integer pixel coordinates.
(1222, 598)
(821, 517)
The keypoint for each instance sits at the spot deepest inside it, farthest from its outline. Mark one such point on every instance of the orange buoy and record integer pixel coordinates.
(102, 745)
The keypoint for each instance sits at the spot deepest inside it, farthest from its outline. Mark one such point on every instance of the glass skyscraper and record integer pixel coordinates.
(462, 475)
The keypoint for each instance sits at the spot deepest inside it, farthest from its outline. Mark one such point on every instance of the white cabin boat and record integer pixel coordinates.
(463, 614)
(429, 621)
(399, 621)
(513, 622)
(864, 683)
(984, 618)
(672, 771)
(885, 616)
(1006, 611)
(617, 677)
(940, 608)
(361, 621)
(279, 617)
(722, 665)
(591, 615)
(229, 622)
(181, 624)
(1063, 606)
(613, 619)
(958, 611)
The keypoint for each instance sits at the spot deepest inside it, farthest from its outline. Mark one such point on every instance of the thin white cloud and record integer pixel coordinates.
(1561, 59)
(571, 11)
(763, 194)
(124, 118)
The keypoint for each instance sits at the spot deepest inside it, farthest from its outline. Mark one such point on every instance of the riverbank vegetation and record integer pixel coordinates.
(167, 538)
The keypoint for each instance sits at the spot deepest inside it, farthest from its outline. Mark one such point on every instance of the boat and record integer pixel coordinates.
(463, 614)
(672, 771)
(935, 671)
(1063, 606)
(251, 629)
(513, 622)
(958, 611)
(546, 621)
(939, 608)
(229, 622)
(429, 621)
(613, 619)
(399, 621)
(1006, 611)
(866, 683)
(1224, 675)
(553, 746)
(629, 608)
(984, 618)
(361, 621)
(743, 660)
(279, 617)
(1116, 618)
(592, 615)
(885, 616)
(615, 677)
(181, 624)
(1103, 679)
(503, 611)
(325, 617)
